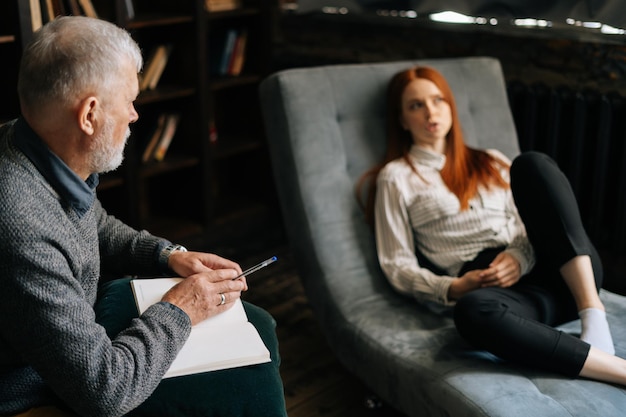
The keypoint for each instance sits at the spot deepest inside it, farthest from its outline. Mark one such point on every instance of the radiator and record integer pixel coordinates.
(585, 132)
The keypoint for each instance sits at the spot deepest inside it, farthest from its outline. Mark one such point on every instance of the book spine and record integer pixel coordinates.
(166, 139)
(35, 15)
(130, 9)
(239, 54)
(228, 50)
(47, 11)
(154, 140)
(160, 67)
(74, 8)
(88, 8)
(58, 8)
(151, 65)
(222, 5)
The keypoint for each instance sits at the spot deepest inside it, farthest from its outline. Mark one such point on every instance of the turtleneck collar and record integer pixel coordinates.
(427, 157)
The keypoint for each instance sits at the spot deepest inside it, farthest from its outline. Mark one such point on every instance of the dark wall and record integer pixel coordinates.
(559, 56)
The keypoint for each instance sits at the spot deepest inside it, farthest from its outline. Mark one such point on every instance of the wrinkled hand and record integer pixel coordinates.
(503, 272)
(198, 295)
(188, 263)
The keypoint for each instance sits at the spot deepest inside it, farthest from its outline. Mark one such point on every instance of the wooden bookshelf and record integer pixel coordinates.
(242, 185)
(208, 188)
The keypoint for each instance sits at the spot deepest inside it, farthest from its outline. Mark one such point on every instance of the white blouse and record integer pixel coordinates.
(412, 213)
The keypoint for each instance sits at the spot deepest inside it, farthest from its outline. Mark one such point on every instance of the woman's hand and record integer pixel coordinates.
(503, 272)
(469, 281)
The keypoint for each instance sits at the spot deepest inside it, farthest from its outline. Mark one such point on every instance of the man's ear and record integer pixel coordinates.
(87, 110)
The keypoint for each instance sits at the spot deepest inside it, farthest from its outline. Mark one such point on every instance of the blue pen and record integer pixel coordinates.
(257, 267)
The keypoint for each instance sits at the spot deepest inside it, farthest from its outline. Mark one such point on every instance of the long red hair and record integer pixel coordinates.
(465, 170)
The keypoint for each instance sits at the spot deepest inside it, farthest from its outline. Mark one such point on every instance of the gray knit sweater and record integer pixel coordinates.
(50, 266)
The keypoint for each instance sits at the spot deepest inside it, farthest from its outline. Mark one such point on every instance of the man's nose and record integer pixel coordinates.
(134, 116)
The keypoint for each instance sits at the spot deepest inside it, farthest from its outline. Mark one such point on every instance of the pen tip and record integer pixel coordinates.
(274, 258)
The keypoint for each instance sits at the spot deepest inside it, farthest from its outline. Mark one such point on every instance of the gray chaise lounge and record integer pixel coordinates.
(326, 127)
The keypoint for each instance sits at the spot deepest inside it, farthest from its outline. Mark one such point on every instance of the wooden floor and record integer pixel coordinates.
(315, 383)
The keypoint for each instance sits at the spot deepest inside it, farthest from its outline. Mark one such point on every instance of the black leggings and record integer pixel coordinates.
(516, 323)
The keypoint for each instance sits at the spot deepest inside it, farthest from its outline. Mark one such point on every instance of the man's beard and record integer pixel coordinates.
(105, 157)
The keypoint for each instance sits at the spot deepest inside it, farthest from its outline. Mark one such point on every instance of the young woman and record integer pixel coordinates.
(501, 244)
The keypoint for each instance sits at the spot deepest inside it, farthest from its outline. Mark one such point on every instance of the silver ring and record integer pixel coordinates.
(223, 301)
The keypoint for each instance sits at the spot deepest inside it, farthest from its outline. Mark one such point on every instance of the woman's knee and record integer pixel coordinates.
(478, 314)
(532, 160)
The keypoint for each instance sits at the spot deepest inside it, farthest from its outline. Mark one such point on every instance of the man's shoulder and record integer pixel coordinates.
(7, 131)
(25, 195)
(17, 173)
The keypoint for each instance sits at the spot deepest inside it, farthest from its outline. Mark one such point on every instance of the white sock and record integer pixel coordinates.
(595, 329)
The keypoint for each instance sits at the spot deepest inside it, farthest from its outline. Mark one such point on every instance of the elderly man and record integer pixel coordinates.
(77, 84)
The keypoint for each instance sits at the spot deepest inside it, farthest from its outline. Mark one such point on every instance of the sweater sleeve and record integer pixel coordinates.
(124, 250)
(48, 276)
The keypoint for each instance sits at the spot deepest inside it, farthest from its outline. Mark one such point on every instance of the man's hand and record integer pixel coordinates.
(188, 263)
(200, 295)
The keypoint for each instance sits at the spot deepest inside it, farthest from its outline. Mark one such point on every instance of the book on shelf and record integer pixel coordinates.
(88, 9)
(221, 5)
(229, 47)
(36, 19)
(74, 8)
(154, 139)
(228, 52)
(129, 8)
(47, 11)
(169, 130)
(213, 135)
(51, 9)
(227, 340)
(238, 55)
(154, 67)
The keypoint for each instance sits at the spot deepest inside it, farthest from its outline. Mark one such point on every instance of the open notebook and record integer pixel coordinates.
(227, 340)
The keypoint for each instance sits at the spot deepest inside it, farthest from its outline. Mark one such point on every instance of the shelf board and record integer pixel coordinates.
(169, 164)
(7, 38)
(147, 21)
(227, 82)
(238, 12)
(165, 92)
(233, 145)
